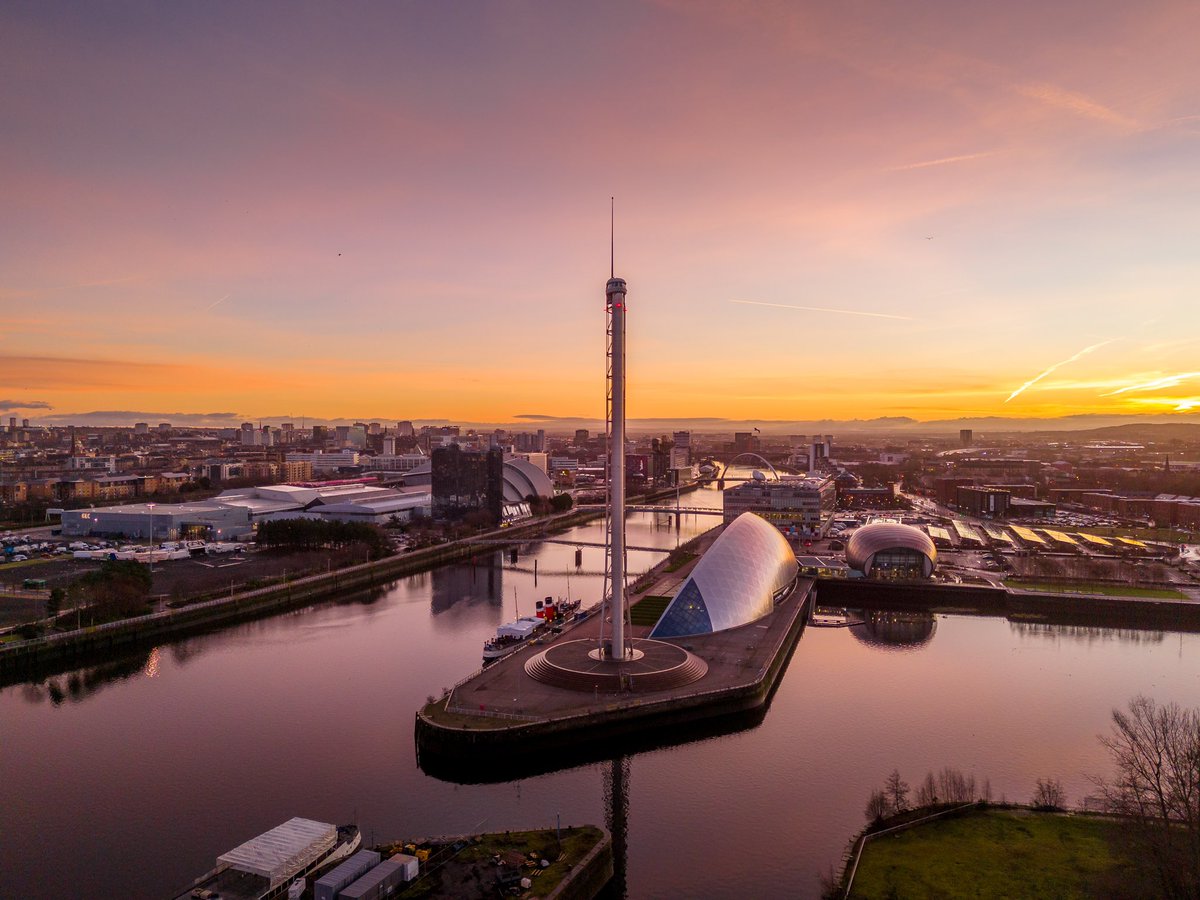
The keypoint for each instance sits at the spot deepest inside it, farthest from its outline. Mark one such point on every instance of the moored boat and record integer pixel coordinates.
(264, 867)
(511, 636)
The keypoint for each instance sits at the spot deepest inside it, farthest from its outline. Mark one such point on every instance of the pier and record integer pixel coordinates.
(503, 714)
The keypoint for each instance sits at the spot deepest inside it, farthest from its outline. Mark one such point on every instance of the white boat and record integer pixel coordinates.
(511, 636)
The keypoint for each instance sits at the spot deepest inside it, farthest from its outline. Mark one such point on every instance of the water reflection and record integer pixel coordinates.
(1084, 634)
(84, 683)
(616, 807)
(894, 629)
(482, 579)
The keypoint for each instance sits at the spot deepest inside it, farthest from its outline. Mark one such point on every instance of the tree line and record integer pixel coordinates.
(321, 534)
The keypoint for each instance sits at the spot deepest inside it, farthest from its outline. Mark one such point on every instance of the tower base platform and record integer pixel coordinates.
(652, 666)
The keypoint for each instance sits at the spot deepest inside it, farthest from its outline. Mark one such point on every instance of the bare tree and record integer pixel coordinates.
(1156, 751)
(896, 789)
(927, 793)
(954, 787)
(1049, 794)
(877, 806)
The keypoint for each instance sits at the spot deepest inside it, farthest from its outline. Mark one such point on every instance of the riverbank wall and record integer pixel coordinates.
(56, 651)
(1054, 608)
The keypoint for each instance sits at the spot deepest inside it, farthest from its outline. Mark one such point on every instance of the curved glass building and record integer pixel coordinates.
(891, 550)
(746, 570)
(522, 479)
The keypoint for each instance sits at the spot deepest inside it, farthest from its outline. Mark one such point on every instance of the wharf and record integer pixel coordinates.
(502, 715)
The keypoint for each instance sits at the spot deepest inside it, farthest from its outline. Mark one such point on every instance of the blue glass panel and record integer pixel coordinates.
(686, 615)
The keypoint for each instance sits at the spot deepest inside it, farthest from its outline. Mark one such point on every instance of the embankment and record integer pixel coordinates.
(1054, 608)
(44, 655)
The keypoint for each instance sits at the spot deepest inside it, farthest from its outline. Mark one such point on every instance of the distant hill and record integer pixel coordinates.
(1142, 432)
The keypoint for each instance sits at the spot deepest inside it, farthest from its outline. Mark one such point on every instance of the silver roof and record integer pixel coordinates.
(734, 583)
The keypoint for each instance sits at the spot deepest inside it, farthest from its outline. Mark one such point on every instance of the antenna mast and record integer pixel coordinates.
(615, 560)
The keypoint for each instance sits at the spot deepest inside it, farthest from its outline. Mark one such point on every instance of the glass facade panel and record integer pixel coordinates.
(686, 615)
(737, 580)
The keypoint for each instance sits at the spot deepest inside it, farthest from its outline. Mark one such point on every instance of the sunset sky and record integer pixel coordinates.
(401, 210)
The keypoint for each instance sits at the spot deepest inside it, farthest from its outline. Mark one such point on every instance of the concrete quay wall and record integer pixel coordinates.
(1056, 608)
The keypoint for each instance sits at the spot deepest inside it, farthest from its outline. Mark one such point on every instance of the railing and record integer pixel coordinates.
(862, 843)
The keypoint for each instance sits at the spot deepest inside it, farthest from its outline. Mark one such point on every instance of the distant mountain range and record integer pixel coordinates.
(1178, 425)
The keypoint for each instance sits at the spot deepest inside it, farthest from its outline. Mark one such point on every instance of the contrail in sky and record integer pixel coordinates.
(844, 312)
(215, 302)
(1168, 381)
(945, 160)
(1032, 381)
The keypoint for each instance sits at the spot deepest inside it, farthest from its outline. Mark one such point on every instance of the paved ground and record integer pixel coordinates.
(735, 657)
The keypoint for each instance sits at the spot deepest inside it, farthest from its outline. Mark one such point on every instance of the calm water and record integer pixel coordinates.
(136, 778)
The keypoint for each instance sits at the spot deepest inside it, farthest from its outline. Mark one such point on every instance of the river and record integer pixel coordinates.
(129, 780)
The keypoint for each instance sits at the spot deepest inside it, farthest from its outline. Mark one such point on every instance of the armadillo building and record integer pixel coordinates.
(891, 550)
(738, 580)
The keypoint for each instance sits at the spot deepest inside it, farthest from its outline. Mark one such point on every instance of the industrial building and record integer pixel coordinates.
(160, 521)
(891, 550)
(801, 506)
(738, 580)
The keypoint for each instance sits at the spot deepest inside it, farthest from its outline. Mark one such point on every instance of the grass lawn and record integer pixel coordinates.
(992, 853)
(679, 559)
(1109, 590)
(36, 561)
(648, 610)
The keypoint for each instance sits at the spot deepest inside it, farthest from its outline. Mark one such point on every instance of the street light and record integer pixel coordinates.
(150, 507)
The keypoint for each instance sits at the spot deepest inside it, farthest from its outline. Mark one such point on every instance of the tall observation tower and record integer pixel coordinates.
(612, 660)
(614, 569)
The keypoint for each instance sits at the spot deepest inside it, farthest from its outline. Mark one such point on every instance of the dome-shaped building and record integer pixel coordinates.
(523, 479)
(891, 550)
(738, 580)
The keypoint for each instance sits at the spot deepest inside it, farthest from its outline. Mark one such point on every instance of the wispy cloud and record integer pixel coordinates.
(1078, 104)
(821, 309)
(1032, 381)
(24, 404)
(1167, 381)
(943, 161)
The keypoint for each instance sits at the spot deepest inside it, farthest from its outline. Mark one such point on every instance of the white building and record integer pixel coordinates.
(326, 461)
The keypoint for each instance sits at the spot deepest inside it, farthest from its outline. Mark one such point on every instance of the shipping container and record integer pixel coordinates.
(327, 886)
(412, 866)
(382, 881)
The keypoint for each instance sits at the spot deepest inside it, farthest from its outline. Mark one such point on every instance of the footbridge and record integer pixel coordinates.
(539, 540)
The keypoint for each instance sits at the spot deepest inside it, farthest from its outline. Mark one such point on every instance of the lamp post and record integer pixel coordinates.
(150, 507)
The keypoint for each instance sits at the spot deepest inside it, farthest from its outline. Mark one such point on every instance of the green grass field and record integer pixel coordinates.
(25, 563)
(1109, 590)
(648, 610)
(994, 854)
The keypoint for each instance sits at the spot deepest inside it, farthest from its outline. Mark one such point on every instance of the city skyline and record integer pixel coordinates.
(928, 212)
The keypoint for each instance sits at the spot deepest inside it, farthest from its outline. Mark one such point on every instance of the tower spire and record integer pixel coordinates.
(612, 237)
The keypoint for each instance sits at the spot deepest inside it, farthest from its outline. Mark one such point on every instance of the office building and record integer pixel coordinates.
(990, 502)
(465, 481)
(801, 506)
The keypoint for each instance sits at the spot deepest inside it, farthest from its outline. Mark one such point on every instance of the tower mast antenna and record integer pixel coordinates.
(612, 237)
